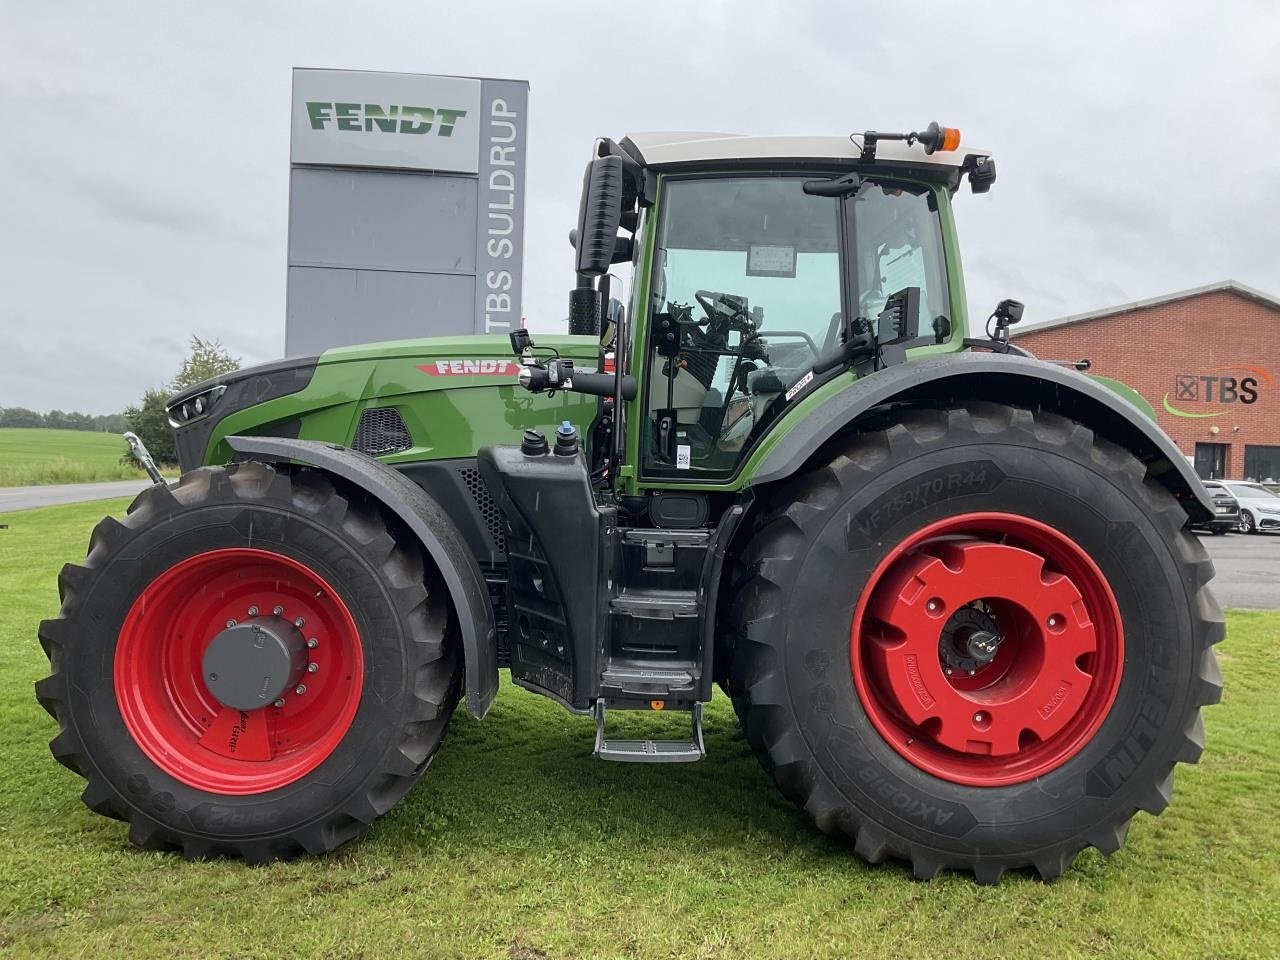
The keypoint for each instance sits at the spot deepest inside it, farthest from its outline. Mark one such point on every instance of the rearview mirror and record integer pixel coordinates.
(599, 215)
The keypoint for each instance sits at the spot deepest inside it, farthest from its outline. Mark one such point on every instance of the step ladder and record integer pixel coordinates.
(650, 751)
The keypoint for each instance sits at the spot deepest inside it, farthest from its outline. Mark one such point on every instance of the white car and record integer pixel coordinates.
(1259, 507)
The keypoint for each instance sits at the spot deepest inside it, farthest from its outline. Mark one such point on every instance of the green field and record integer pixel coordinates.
(37, 456)
(517, 845)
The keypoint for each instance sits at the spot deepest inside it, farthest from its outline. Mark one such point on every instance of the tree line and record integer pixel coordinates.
(60, 420)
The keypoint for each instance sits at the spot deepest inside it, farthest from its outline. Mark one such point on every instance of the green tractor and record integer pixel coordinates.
(947, 586)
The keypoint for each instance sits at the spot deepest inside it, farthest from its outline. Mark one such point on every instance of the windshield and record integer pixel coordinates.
(1252, 491)
(746, 292)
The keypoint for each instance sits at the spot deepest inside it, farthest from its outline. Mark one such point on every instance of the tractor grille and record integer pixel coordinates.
(381, 431)
(489, 510)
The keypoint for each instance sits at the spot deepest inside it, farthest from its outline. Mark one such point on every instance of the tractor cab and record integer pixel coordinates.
(764, 270)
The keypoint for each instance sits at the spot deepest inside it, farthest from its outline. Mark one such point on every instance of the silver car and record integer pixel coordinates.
(1259, 507)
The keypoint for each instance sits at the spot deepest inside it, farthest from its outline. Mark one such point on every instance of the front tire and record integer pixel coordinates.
(372, 676)
(866, 579)
(1247, 524)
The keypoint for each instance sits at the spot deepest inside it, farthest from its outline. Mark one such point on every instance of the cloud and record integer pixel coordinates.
(145, 157)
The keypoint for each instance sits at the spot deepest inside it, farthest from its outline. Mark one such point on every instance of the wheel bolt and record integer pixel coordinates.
(313, 643)
(1054, 621)
(312, 667)
(979, 717)
(277, 610)
(934, 605)
(948, 671)
(300, 689)
(230, 624)
(971, 671)
(253, 611)
(279, 703)
(299, 622)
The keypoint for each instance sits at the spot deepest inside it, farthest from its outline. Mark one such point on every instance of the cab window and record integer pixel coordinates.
(899, 245)
(745, 294)
(747, 291)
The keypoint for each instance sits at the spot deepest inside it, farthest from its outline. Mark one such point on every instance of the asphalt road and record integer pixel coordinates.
(1248, 570)
(52, 495)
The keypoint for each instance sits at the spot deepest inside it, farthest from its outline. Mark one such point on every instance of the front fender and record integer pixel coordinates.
(437, 533)
(998, 378)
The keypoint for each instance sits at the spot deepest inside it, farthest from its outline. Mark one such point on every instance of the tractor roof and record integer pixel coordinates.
(672, 148)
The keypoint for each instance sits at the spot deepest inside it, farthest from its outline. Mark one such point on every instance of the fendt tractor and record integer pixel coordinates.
(947, 586)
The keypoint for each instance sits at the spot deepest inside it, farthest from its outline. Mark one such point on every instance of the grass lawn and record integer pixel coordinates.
(517, 845)
(37, 455)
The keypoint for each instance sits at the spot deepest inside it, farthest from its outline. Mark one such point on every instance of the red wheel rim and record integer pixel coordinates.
(169, 710)
(1024, 711)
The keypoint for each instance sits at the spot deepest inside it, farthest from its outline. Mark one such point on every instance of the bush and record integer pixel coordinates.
(150, 422)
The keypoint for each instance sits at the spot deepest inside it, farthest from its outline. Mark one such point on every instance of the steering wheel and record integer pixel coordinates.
(715, 305)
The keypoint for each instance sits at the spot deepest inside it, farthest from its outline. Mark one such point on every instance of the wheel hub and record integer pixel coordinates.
(252, 663)
(969, 639)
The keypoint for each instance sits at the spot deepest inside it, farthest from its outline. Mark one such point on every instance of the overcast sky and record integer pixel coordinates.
(145, 146)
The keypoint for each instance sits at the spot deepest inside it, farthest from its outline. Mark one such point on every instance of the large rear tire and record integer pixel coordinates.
(324, 575)
(869, 601)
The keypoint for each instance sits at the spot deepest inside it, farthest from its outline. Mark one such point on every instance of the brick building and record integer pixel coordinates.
(1207, 360)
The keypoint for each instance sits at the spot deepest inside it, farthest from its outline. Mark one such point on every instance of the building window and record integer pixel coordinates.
(1262, 463)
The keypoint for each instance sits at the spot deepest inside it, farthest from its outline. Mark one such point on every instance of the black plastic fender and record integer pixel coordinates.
(433, 527)
(999, 378)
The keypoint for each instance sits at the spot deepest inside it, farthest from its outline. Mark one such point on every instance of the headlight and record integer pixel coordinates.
(195, 408)
(1272, 510)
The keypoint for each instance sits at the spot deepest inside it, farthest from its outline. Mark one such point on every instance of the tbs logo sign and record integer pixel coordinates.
(1235, 383)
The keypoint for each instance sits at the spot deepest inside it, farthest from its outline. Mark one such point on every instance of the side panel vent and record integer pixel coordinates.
(489, 509)
(381, 431)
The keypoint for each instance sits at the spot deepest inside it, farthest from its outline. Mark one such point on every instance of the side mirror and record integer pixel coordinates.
(599, 216)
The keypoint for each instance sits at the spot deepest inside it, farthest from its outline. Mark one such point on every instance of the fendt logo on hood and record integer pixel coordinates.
(480, 367)
(373, 118)
(1230, 384)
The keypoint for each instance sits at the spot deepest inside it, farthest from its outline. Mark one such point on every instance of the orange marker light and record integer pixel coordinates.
(950, 138)
(657, 704)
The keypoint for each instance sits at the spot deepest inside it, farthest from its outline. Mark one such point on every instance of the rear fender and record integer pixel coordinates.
(999, 378)
(437, 533)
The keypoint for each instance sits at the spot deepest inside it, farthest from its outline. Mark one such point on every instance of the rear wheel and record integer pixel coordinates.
(978, 638)
(251, 663)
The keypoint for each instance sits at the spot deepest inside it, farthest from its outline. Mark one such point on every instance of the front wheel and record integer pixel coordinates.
(252, 663)
(978, 638)
(1246, 522)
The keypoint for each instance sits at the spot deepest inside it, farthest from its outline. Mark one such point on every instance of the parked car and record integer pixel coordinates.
(1259, 507)
(1226, 510)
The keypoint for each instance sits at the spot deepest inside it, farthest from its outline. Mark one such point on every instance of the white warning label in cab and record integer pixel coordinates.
(682, 456)
(799, 385)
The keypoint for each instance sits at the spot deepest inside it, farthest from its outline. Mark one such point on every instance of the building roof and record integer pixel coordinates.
(1223, 286)
(673, 147)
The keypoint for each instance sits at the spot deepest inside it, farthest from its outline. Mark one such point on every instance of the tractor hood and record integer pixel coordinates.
(325, 397)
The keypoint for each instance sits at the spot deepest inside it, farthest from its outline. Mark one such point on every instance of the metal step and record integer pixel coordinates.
(656, 604)
(650, 683)
(650, 751)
